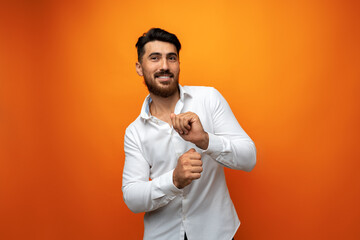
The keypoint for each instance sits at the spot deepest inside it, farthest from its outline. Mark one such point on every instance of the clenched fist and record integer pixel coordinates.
(188, 168)
(189, 127)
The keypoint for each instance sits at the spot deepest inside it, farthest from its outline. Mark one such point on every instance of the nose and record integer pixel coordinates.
(164, 65)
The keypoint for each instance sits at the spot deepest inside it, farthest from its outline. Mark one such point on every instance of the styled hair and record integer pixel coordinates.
(156, 34)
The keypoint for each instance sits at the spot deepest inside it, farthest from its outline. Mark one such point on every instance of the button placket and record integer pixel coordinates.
(183, 212)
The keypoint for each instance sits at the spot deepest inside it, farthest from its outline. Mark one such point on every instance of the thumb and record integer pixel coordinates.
(172, 115)
(191, 150)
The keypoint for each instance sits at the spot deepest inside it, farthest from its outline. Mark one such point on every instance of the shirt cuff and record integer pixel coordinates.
(215, 146)
(163, 185)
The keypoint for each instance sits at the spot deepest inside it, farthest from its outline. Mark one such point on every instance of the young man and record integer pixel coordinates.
(181, 141)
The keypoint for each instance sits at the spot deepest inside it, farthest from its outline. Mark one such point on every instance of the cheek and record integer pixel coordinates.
(147, 71)
(150, 69)
(175, 69)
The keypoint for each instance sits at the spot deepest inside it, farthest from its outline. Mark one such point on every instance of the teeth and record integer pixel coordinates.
(163, 77)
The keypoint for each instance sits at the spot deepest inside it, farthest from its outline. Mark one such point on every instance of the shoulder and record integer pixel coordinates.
(200, 91)
(134, 127)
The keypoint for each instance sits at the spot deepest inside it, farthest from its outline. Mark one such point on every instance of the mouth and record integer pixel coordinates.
(164, 77)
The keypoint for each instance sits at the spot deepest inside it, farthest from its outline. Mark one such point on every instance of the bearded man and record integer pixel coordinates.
(176, 151)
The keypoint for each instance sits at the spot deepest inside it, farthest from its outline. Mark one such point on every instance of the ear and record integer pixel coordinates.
(139, 69)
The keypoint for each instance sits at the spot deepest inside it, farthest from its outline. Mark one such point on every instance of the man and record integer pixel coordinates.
(181, 141)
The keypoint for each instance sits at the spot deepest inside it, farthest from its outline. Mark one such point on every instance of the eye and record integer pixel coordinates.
(172, 58)
(154, 58)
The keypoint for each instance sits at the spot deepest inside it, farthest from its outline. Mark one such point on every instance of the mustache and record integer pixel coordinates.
(164, 72)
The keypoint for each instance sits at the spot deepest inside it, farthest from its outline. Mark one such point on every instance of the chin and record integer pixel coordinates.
(163, 89)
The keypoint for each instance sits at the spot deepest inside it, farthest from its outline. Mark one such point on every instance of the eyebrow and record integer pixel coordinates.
(159, 54)
(172, 54)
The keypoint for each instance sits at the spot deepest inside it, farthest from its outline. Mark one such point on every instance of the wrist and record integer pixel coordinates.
(176, 184)
(204, 142)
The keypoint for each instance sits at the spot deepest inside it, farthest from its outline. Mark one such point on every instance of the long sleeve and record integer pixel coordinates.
(203, 209)
(229, 144)
(140, 194)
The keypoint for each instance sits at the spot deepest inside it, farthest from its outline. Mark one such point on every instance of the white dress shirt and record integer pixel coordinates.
(202, 209)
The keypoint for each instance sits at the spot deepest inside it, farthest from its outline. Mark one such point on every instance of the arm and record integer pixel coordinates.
(229, 145)
(140, 194)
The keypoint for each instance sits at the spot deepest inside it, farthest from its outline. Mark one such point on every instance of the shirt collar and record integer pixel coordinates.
(145, 110)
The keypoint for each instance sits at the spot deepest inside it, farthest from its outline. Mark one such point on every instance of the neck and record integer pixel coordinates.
(162, 107)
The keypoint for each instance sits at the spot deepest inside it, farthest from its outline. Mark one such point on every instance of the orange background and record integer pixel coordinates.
(290, 71)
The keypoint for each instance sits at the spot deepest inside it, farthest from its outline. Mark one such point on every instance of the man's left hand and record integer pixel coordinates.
(189, 127)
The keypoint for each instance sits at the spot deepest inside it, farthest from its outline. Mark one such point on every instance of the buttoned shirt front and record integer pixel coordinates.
(152, 147)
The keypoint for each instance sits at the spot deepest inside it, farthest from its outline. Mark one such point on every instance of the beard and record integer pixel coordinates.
(164, 89)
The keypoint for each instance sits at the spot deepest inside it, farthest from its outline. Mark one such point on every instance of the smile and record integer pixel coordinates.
(163, 77)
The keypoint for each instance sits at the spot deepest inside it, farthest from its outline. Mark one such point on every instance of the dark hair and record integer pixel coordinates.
(156, 34)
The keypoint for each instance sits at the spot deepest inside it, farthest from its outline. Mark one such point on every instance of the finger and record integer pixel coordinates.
(191, 154)
(183, 123)
(186, 121)
(191, 150)
(172, 118)
(187, 125)
(195, 155)
(173, 122)
(195, 175)
(176, 124)
(190, 117)
(196, 163)
(196, 169)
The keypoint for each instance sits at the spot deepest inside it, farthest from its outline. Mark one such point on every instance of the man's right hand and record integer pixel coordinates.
(188, 168)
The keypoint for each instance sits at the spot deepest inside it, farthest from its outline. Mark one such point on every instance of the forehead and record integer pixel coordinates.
(160, 47)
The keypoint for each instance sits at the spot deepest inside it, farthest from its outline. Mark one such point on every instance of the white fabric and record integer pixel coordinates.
(202, 209)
